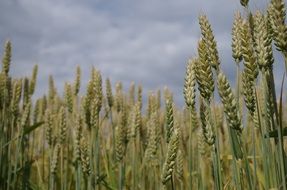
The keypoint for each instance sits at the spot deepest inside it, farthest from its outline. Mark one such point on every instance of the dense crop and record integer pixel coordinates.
(106, 139)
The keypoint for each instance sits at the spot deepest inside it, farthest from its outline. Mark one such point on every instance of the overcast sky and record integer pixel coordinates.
(145, 41)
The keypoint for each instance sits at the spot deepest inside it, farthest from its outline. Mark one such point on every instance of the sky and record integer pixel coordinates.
(143, 41)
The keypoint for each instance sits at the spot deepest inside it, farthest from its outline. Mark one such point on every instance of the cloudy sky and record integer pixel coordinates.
(145, 41)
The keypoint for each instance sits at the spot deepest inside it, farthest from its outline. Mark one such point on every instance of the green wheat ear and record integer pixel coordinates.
(78, 137)
(249, 93)
(209, 42)
(132, 94)
(204, 75)
(49, 120)
(169, 117)
(277, 16)
(97, 88)
(139, 96)
(119, 143)
(189, 90)
(150, 153)
(85, 157)
(207, 129)
(263, 42)
(229, 103)
(119, 97)
(244, 3)
(16, 97)
(62, 118)
(249, 57)
(77, 83)
(54, 162)
(24, 120)
(179, 165)
(121, 135)
(236, 38)
(169, 163)
(109, 93)
(69, 97)
(202, 145)
(6, 61)
(52, 90)
(33, 80)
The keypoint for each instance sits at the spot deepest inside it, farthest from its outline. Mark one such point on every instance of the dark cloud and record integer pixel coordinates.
(147, 42)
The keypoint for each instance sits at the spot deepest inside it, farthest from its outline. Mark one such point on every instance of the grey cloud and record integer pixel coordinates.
(147, 42)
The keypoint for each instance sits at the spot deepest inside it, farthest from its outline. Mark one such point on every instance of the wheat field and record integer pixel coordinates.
(107, 138)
